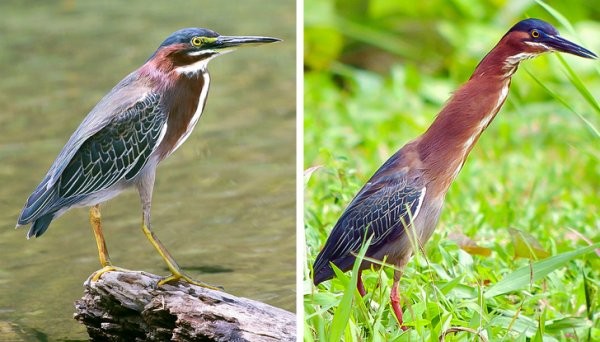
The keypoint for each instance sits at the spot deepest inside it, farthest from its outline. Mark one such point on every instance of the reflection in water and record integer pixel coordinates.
(223, 203)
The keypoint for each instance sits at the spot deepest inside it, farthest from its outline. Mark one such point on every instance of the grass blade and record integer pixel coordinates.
(576, 81)
(342, 312)
(558, 98)
(521, 277)
(557, 15)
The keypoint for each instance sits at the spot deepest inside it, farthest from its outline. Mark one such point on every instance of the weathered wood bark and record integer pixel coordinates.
(128, 306)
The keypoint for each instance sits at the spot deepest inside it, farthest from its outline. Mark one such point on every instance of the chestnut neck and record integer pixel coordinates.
(183, 94)
(444, 147)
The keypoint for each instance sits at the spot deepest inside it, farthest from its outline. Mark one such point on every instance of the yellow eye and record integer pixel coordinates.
(197, 41)
(535, 33)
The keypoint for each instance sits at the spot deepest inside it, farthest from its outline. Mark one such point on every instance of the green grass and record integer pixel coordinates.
(536, 170)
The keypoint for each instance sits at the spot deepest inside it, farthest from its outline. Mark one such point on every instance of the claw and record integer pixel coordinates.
(178, 277)
(108, 268)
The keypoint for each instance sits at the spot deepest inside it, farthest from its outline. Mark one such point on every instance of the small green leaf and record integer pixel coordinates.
(526, 246)
(567, 323)
(308, 172)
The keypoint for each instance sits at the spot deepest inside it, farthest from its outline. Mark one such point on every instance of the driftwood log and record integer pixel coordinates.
(128, 306)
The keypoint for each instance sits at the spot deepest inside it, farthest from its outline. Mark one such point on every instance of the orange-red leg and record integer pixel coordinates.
(395, 301)
(360, 286)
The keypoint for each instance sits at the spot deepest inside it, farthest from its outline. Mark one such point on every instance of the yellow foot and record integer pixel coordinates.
(177, 277)
(109, 268)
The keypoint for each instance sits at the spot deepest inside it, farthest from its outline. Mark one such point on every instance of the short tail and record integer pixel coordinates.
(322, 274)
(319, 271)
(322, 269)
(40, 225)
(39, 210)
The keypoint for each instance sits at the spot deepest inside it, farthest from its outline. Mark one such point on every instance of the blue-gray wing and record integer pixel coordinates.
(123, 96)
(118, 151)
(379, 211)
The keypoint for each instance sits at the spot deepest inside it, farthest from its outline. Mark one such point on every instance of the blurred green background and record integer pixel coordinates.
(376, 74)
(223, 204)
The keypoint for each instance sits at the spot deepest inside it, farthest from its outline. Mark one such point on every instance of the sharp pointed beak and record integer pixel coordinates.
(558, 43)
(229, 42)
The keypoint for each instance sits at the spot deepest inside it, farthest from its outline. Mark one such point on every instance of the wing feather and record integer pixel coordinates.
(117, 151)
(380, 210)
(105, 167)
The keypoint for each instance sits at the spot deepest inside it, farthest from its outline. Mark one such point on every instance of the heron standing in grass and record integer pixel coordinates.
(405, 196)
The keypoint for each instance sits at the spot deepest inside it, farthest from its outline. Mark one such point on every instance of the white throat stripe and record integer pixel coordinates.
(197, 114)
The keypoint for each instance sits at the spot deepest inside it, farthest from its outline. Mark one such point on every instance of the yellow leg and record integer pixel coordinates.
(96, 222)
(176, 273)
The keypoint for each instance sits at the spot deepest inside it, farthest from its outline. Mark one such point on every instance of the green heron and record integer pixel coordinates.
(407, 192)
(140, 122)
